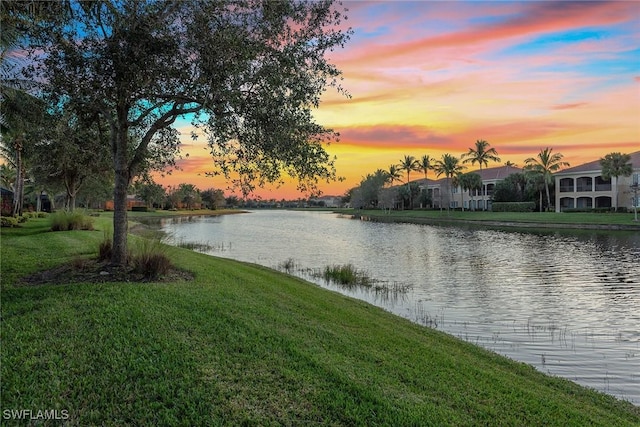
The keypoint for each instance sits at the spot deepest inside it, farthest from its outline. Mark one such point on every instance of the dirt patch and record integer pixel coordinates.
(94, 271)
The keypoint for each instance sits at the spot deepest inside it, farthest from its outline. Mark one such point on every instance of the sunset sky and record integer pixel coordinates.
(431, 77)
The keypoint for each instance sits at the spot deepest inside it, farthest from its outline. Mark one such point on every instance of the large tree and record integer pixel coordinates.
(481, 154)
(546, 164)
(247, 72)
(616, 165)
(73, 152)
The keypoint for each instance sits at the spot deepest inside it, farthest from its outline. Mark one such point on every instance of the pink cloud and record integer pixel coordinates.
(531, 19)
(568, 106)
(393, 136)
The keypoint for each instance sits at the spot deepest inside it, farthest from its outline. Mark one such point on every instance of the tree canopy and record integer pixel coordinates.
(246, 72)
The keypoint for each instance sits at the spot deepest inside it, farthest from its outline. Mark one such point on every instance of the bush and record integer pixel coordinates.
(139, 209)
(513, 206)
(8, 221)
(42, 214)
(70, 220)
(621, 209)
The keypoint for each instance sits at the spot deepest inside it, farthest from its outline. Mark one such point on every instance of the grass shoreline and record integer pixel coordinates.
(531, 220)
(244, 344)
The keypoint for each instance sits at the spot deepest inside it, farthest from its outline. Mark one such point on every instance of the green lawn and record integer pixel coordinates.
(245, 345)
(528, 217)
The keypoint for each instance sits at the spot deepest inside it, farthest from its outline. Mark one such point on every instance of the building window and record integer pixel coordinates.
(584, 202)
(566, 203)
(566, 185)
(583, 184)
(603, 202)
(602, 184)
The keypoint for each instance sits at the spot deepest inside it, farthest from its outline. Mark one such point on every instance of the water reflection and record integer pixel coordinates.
(565, 302)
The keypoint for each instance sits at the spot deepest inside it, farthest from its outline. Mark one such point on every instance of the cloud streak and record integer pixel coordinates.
(433, 77)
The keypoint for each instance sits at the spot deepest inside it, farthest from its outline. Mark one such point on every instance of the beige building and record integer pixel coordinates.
(442, 196)
(583, 187)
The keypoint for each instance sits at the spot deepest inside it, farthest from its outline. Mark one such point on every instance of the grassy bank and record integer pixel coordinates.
(244, 345)
(546, 219)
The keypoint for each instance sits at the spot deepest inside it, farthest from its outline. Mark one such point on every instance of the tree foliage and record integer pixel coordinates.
(514, 188)
(546, 164)
(481, 154)
(247, 72)
(213, 198)
(450, 167)
(616, 165)
(149, 191)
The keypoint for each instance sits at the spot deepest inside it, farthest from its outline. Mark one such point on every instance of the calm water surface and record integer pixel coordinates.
(566, 303)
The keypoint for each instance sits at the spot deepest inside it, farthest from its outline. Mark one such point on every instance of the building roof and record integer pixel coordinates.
(595, 165)
(488, 174)
(498, 172)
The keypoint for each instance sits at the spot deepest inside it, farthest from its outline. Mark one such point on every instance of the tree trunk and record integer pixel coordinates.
(540, 200)
(18, 193)
(120, 225)
(484, 202)
(546, 188)
(615, 195)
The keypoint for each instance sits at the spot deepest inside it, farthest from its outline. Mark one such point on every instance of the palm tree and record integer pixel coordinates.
(616, 165)
(449, 166)
(459, 181)
(470, 182)
(409, 164)
(546, 164)
(426, 163)
(7, 176)
(393, 174)
(481, 155)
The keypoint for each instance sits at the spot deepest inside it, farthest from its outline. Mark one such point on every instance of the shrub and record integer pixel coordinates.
(70, 220)
(8, 221)
(621, 209)
(139, 209)
(513, 206)
(42, 214)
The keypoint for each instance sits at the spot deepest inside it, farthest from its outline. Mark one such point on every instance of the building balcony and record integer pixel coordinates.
(603, 187)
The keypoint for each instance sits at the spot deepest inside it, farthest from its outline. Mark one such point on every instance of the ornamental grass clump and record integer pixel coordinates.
(105, 247)
(149, 258)
(70, 220)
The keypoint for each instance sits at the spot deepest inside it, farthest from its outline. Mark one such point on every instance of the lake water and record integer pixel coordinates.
(567, 303)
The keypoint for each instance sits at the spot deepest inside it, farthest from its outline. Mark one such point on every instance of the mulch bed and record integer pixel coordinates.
(94, 271)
